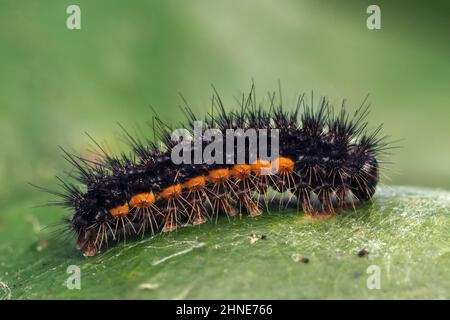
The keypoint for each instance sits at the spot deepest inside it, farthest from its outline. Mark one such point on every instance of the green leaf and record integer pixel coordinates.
(405, 232)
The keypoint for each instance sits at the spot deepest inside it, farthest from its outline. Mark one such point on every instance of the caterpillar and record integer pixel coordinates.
(326, 161)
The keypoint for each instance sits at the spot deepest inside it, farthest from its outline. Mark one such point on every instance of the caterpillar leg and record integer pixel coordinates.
(86, 243)
(304, 200)
(196, 196)
(245, 186)
(219, 193)
(175, 208)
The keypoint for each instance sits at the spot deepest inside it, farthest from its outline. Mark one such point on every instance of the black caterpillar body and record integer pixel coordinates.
(326, 161)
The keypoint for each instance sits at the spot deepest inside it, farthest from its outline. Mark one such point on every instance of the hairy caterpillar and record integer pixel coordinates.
(327, 161)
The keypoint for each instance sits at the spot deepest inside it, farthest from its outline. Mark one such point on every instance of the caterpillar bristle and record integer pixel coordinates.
(327, 162)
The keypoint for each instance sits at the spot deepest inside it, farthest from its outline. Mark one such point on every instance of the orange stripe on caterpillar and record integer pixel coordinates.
(261, 167)
(120, 211)
(171, 192)
(219, 175)
(241, 171)
(196, 183)
(283, 165)
(142, 200)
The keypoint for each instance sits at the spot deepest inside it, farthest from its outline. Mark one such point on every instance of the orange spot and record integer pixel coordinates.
(171, 192)
(283, 165)
(219, 175)
(142, 200)
(120, 211)
(241, 171)
(261, 166)
(196, 183)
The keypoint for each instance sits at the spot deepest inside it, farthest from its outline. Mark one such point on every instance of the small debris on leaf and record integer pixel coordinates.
(299, 258)
(362, 253)
(148, 286)
(253, 238)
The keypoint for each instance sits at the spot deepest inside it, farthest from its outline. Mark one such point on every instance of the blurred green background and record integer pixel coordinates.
(55, 83)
